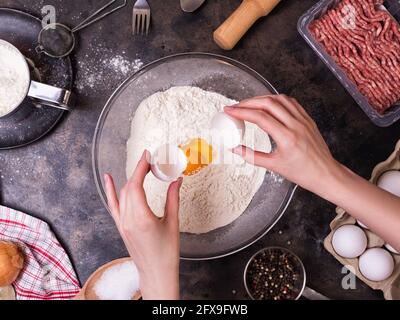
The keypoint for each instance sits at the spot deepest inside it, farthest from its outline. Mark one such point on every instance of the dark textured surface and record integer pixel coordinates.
(52, 179)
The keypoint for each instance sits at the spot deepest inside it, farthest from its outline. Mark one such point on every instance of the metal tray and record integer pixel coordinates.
(30, 123)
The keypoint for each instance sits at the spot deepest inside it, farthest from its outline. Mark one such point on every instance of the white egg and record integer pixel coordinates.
(376, 264)
(391, 249)
(349, 241)
(390, 181)
(362, 225)
(227, 131)
(168, 163)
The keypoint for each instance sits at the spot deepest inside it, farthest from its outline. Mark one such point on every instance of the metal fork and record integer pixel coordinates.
(141, 17)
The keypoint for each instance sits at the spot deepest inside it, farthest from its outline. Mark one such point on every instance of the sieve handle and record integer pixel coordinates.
(95, 16)
(52, 96)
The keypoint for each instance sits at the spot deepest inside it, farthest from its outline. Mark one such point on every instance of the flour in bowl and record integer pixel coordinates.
(14, 78)
(218, 194)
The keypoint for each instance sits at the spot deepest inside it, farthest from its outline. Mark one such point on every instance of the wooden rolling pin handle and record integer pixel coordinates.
(236, 26)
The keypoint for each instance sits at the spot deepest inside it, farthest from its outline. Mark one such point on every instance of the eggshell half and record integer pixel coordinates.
(227, 131)
(168, 163)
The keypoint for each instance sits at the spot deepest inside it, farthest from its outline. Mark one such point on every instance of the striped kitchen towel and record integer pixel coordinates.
(48, 273)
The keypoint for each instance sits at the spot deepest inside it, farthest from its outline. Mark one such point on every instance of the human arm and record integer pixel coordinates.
(153, 243)
(303, 157)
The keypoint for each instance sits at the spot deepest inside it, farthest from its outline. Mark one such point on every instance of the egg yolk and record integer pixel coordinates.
(199, 155)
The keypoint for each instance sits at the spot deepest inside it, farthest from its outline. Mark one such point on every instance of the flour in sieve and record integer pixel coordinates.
(217, 195)
(14, 78)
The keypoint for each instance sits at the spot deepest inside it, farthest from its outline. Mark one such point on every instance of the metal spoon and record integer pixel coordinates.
(191, 5)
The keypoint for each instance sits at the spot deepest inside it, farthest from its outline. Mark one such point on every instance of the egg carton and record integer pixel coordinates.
(391, 286)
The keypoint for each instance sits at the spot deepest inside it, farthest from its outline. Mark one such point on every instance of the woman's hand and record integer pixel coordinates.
(302, 155)
(153, 243)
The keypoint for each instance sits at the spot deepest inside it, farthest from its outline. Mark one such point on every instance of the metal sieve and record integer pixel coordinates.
(58, 41)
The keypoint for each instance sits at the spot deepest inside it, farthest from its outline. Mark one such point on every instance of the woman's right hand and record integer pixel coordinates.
(302, 155)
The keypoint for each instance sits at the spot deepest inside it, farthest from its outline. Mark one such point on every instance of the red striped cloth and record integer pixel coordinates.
(48, 273)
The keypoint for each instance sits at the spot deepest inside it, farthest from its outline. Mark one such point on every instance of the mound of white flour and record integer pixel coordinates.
(217, 195)
(14, 80)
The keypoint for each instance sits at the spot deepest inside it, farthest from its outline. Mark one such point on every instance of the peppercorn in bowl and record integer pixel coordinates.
(275, 274)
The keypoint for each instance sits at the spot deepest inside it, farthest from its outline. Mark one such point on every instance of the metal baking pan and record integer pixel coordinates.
(318, 10)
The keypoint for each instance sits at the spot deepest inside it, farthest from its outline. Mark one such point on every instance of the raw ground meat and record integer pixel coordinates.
(364, 41)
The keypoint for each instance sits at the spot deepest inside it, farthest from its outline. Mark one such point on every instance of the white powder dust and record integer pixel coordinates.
(220, 193)
(14, 78)
(102, 68)
(120, 282)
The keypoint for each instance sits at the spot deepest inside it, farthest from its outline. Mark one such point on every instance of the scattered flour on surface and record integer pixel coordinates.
(119, 63)
(97, 70)
(120, 282)
(220, 193)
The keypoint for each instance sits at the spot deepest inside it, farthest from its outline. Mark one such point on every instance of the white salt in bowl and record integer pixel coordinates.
(99, 281)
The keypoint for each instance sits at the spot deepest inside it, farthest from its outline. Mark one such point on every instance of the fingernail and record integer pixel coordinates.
(228, 108)
(180, 181)
(144, 156)
(148, 156)
(106, 177)
(237, 150)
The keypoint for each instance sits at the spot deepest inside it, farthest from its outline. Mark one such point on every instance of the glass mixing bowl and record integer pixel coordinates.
(209, 72)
